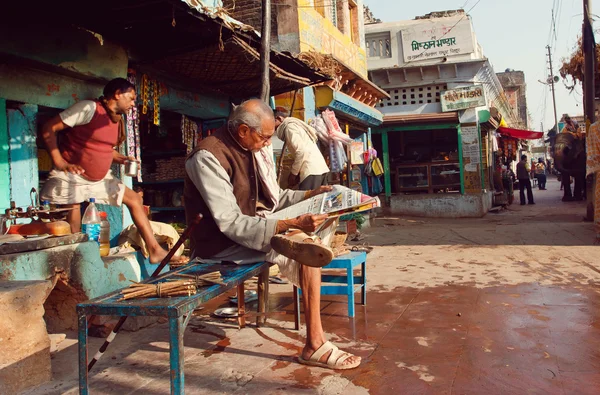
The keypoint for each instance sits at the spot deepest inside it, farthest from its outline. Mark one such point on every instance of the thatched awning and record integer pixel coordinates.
(192, 48)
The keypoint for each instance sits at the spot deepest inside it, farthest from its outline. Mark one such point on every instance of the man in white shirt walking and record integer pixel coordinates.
(309, 169)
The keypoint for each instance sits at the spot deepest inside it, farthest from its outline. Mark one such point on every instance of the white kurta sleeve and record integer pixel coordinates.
(214, 185)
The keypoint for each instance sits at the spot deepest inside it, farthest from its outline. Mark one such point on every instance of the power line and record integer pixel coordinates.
(557, 25)
(569, 30)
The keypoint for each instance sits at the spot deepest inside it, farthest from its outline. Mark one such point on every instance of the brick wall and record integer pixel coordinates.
(250, 13)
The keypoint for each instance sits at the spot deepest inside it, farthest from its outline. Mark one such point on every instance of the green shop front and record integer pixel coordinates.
(434, 164)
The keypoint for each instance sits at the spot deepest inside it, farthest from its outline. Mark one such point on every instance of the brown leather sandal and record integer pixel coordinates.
(303, 248)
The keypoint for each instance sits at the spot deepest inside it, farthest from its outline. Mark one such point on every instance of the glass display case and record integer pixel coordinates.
(446, 175)
(428, 177)
(412, 177)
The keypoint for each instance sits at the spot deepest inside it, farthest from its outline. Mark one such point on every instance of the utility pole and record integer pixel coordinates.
(265, 94)
(265, 51)
(589, 55)
(552, 86)
(589, 78)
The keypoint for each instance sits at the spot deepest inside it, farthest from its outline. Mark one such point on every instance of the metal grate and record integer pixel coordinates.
(409, 96)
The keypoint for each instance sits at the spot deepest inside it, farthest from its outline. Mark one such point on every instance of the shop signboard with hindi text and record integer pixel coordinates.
(471, 153)
(462, 98)
(437, 38)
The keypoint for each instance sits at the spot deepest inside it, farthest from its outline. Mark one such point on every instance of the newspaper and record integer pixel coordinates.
(339, 201)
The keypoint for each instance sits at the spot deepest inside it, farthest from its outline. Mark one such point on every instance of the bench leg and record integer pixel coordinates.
(241, 296)
(263, 297)
(83, 357)
(176, 354)
(296, 308)
(350, 274)
(363, 293)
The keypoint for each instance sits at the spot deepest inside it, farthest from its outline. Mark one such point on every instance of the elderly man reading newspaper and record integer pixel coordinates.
(231, 181)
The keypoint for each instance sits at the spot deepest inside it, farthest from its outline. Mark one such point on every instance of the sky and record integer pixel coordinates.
(514, 34)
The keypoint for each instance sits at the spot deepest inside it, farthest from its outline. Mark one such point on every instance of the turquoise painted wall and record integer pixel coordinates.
(81, 262)
(22, 152)
(4, 166)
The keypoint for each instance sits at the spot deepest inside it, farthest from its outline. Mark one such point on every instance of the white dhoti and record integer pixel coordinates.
(67, 188)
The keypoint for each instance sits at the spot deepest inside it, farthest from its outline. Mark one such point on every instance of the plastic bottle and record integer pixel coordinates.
(90, 223)
(104, 234)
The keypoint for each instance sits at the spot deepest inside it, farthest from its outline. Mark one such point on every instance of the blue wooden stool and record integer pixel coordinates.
(350, 283)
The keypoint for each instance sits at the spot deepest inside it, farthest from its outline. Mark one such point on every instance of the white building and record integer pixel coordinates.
(445, 105)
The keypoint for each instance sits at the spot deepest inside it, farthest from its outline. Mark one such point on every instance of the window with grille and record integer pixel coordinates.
(416, 95)
(334, 13)
(379, 45)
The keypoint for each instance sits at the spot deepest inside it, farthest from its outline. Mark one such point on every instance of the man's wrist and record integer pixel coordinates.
(58, 160)
(284, 225)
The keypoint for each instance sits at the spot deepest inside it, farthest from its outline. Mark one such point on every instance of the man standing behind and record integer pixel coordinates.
(524, 181)
(83, 158)
(309, 169)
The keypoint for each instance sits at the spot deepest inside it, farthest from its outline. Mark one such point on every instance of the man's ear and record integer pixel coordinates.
(243, 130)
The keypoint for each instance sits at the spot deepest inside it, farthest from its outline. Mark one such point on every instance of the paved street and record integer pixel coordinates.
(506, 304)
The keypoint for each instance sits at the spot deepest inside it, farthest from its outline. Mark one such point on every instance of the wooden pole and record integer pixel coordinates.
(589, 53)
(280, 165)
(265, 50)
(589, 94)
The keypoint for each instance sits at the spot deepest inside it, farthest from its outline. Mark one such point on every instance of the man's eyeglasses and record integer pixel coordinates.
(262, 136)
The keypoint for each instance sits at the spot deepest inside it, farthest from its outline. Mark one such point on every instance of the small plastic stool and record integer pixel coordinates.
(350, 282)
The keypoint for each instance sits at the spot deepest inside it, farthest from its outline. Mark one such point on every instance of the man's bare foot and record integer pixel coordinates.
(157, 254)
(342, 360)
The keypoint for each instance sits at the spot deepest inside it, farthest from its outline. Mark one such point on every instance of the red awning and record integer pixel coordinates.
(521, 134)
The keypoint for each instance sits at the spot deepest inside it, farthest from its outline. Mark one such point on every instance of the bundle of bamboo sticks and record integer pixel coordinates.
(178, 285)
(161, 290)
(202, 279)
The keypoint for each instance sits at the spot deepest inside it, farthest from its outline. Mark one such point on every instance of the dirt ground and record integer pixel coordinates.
(505, 304)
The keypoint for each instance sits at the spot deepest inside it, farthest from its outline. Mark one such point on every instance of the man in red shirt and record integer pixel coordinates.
(83, 158)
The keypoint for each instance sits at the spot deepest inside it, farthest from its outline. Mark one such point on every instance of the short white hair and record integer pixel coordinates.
(252, 113)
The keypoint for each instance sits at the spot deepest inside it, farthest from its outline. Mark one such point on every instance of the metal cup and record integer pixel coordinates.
(131, 168)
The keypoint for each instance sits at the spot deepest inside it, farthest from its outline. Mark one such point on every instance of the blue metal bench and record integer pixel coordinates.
(350, 282)
(178, 310)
